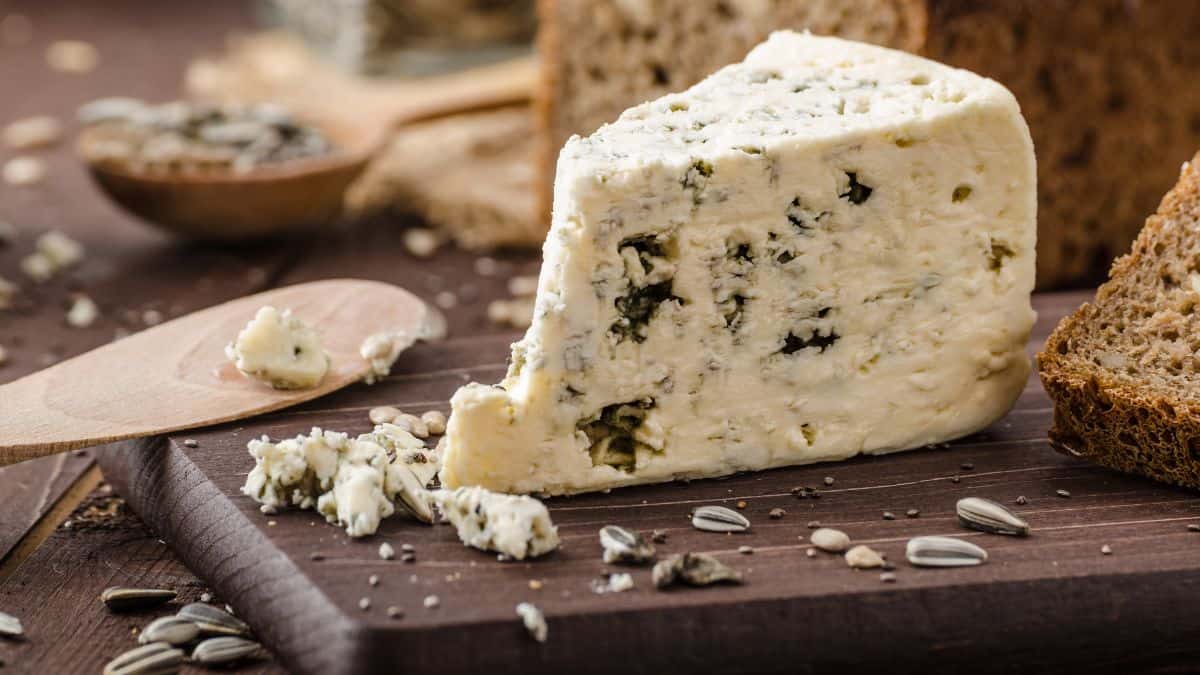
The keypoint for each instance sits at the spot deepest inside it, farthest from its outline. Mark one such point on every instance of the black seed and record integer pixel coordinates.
(814, 524)
(967, 466)
(1021, 500)
(1062, 493)
(1193, 528)
(829, 480)
(912, 513)
(888, 577)
(888, 515)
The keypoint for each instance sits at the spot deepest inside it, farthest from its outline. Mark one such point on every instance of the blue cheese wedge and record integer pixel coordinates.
(514, 525)
(280, 350)
(823, 251)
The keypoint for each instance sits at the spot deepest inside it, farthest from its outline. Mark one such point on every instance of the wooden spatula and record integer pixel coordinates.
(175, 376)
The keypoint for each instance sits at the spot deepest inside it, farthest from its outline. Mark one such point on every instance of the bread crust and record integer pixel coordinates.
(1105, 413)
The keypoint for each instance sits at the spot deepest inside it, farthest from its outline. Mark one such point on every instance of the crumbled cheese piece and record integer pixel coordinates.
(83, 312)
(515, 525)
(280, 350)
(62, 250)
(24, 170)
(38, 267)
(534, 620)
(617, 582)
(517, 312)
(421, 242)
(32, 132)
(354, 483)
(381, 350)
(523, 285)
(72, 56)
(485, 266)
(826, 250)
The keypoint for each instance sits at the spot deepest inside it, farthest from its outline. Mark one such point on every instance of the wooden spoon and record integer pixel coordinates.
(176, 376)
(275, 198)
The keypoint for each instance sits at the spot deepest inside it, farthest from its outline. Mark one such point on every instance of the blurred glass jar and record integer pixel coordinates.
(409, 37)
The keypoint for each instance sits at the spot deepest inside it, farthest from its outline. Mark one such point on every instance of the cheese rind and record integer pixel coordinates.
(823, 251)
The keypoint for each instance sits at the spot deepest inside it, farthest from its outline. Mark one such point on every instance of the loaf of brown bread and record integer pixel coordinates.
(1124, 371)
(1109, 87)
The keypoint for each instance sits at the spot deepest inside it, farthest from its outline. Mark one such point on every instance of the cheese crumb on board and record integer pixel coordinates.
(53, 252)
(353, 482)
(824, 251)
(515, 525)
(279, 350)
(83, 312)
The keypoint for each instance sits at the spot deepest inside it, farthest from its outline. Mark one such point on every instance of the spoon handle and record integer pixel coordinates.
(506, 83)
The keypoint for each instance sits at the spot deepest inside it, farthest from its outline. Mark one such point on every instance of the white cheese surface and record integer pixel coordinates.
(353, 482)
(823, 251)
(280, 350)
(515, 525)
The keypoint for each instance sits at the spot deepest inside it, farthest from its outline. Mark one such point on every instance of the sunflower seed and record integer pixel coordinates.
(214, 620)
(624, 546)
(534, 620)
(943, 552)
(10, 626)
(408, 492)
(174, 630)
(830, 540)
(719, 519)
(1065, 494)
(693, 569)
(158, 658)
(119, 599)
(986, 515)
(227, 649)
(863, 557)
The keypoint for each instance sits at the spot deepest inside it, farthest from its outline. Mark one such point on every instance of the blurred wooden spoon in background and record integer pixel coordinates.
(275, 198)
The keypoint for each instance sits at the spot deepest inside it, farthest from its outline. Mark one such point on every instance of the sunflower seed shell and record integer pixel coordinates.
(119, 599)
(227, 649)
(158, 658)
(173, 630)
(214, 620)
(10, 626)
(693, 569)
(988, 516)
(625, 546)
(719, 519)
(943, 552)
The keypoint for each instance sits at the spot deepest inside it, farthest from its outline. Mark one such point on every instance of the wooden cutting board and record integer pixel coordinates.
(1051, 601)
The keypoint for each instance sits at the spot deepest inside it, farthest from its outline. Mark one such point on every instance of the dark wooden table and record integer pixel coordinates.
(64, 536)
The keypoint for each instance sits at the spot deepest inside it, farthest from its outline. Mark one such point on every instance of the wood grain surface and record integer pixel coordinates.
(1048, 602)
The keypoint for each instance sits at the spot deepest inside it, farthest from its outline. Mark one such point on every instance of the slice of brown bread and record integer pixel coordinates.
(1107, 86)
(1124, 370)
